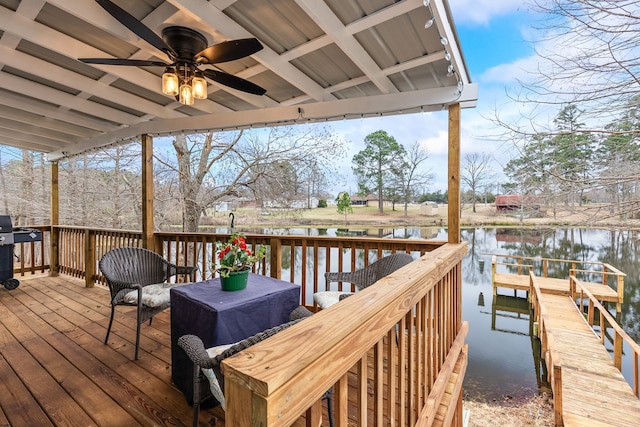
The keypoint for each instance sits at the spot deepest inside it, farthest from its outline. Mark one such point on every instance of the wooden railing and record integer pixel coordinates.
(394, 350)
(80, 249)
(32, 257)
(591, 271)
(402, 338)
(580, 294)
(298, 259)
(518, 266)
(548, 349)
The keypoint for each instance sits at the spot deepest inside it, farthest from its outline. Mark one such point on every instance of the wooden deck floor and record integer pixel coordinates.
(55, 369)
(594, 392)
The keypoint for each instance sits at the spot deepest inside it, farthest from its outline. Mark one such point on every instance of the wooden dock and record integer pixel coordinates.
(596, 277)
(593, 390)
(588, 386)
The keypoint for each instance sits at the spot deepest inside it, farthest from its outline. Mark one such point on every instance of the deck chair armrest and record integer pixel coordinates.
(338, 276)
(300, 312)
(120, 289)
(194, 347)
(173, 269)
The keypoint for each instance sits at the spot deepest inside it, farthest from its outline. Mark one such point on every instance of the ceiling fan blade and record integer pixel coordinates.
(234, 82)
(137, 27)
(116, 61)
(229, 51)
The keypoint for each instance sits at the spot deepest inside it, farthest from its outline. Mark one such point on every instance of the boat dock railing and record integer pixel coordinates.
(576, 354)
(511, 272)
(581, 294)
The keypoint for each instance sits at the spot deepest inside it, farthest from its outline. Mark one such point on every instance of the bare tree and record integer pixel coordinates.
(476, 172)
(588, 54)
(216, 165)
(411, 175)
(587, 59)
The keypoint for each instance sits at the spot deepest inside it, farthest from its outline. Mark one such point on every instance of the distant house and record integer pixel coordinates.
(228, 204)
(358, 201)
(511, 202)
(299, 203)
(369, 200)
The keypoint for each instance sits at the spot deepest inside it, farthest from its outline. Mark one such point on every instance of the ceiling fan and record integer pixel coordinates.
(187, 50)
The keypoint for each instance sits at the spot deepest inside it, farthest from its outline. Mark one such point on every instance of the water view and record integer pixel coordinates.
(504, 356)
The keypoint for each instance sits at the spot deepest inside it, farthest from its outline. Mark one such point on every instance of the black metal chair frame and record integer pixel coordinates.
(370, 274)
(131, 268)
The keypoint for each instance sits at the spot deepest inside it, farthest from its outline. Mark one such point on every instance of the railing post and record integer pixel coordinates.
(89, 257)
(54, 261)
(617, 350)
(54, 237)
(620, 292)
(557, 394)
(275, 259)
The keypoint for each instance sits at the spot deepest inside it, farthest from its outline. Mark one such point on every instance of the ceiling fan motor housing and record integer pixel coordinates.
(185, 42)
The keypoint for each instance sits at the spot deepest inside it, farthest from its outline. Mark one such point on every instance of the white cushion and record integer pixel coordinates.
(152, 295)
(214, 385)
(327, 299)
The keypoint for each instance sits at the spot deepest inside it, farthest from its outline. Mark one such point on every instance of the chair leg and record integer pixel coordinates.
(137, 340)
(113, 308)
(196, 394)
(329, 396)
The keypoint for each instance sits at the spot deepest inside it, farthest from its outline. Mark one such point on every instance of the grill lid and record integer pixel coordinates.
(6, 230)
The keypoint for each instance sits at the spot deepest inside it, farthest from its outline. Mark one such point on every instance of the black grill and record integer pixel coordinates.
(8, 238)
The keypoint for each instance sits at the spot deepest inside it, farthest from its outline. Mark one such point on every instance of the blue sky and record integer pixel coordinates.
(494, 39)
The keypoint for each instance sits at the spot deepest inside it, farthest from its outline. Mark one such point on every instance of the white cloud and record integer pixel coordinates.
(480, 12)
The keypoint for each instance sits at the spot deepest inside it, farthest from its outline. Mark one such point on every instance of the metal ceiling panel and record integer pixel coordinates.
(322, 60)
(279, 24)
(328, 66)
(75, 27)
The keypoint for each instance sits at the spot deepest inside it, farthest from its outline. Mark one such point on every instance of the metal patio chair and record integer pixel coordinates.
(362, 278)
(137, 277)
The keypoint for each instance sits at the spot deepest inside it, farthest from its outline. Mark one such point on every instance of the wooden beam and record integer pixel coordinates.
(54, 266)
(454, 174)
(147, 192)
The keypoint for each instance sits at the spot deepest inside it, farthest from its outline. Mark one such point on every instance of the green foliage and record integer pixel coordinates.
(552, 164)
(344, 204)
(379, 164)
(438, 197)
(322, 203)
(235, 255)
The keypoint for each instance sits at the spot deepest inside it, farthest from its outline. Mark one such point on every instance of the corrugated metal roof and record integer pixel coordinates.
(322, 60)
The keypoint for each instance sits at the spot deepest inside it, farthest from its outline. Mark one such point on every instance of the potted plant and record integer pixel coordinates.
(235, 261)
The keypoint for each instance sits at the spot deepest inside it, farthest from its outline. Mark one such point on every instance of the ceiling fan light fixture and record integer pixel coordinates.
(170, 82)
(186, 94)
(186, 49)
(199, 86)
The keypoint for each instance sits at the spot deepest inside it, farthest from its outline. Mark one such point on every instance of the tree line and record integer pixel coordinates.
(192, 175)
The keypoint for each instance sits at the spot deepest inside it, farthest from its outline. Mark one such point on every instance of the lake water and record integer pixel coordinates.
(504, 357)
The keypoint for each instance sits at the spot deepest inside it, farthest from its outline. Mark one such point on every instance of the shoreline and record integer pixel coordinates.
(363, 217)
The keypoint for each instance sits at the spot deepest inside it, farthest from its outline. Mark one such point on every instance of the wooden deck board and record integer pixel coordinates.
(56, 370)
(551, 285)
(594, 392)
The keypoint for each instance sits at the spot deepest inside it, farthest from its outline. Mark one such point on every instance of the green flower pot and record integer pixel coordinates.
(236, 281)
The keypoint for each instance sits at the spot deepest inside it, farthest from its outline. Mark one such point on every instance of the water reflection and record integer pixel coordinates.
(504, 357)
